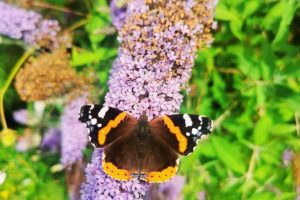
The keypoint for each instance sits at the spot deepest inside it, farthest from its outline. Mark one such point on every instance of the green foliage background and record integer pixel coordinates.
(248, 81)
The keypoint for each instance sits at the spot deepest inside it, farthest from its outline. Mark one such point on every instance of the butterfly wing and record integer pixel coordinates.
(126, 159)
(120, 158)
(105, 124)
(182, 131)
(160, 162)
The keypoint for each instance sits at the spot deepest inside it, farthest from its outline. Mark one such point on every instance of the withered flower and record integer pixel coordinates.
(48, 75)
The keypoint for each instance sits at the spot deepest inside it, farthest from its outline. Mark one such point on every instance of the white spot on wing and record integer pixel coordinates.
(187, 120)
(90, 116)
(194, 131)
(200, 119)
(94, 121)
(188, 134)
(92, 107)
(99, 125)
(199, 133)
(211, 125)
(103, 111)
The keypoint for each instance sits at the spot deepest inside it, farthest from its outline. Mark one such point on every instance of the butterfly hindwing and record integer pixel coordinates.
(105, 123)
(126, 159)
(181, 131)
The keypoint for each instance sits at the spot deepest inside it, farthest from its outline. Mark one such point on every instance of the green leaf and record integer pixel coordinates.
(236, 28)
(229, 154)
(206, 149)
(223, 13)
(250, 8)
(88, 57)
(271, 152)
(262, 93)
(263, 172)
(248, 64)
(273, 15)
(95, 26)
(268, 63)
(288, 14)
(291, 102)
(287, 195)
(236, 22)
(261, 130)
(283, 129)
(262, 196)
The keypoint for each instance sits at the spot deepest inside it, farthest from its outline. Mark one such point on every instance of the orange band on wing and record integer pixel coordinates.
(182, 141)
(116, 173)
(103, 132)
(162, 176)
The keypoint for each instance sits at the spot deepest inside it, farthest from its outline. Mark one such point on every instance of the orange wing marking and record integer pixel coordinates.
(179, 136)
(116, 173)
(102, 133)
(162, 176)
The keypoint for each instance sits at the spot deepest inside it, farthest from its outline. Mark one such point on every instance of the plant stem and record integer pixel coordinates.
(250, 171)
(53, 7)
(297, 123)
(78, 24)
(88, 5)
(8, 82)
(222, 117)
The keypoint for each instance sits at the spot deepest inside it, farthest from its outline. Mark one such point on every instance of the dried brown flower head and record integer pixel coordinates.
(48, 75)
(296, 168)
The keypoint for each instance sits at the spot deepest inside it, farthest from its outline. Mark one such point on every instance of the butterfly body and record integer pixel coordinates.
(138, 148)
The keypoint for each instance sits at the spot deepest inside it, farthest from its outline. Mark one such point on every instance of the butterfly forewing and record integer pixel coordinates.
(182, 131)
(105, 124)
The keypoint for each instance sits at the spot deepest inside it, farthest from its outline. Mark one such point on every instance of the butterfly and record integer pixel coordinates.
(142, 149)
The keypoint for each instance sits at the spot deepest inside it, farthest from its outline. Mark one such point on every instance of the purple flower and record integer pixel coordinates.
(99, 186)
(287, 157)
(118, 10)
(21, 116)
(51, 140)
(25, 117)
(155, 60)
(170, 190)
(74, 135)
(29, 26)
(28, 140)
(202, 195)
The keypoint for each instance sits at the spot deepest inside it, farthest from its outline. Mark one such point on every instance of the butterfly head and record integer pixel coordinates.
(144, 116)
(143, 128)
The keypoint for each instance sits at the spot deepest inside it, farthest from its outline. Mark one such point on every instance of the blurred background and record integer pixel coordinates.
(248, 81)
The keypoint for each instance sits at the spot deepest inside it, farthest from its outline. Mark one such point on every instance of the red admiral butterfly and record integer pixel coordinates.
(142, 149)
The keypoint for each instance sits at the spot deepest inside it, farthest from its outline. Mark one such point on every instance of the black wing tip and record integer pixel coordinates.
(84, 113)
